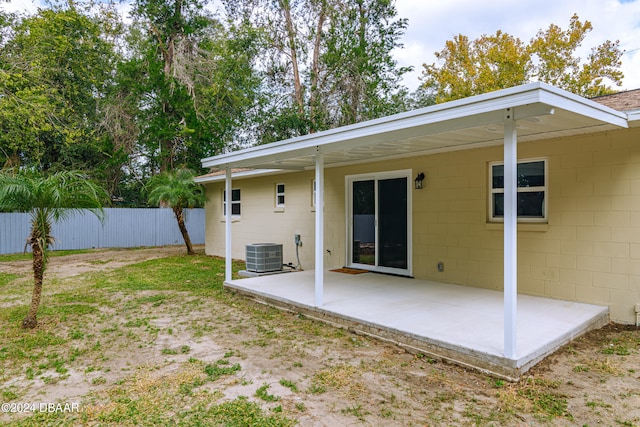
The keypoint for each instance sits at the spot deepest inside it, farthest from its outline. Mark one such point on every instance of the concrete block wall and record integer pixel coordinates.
(261, 221)
(587, 251)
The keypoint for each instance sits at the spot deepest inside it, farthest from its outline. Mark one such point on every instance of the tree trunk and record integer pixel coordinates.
(13, 161)
(31, 320)
(360, 62)
(183, 229)
(315, 69)
(291, 33)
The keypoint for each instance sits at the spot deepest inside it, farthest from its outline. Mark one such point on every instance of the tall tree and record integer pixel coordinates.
(364, 77)
(47, 199)
(327, 62)
(56, 64)
(499, 61)
(177, 190)
(556, 64)
(194, 80)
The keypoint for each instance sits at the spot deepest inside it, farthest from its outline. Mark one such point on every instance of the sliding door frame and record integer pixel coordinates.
(377, 176)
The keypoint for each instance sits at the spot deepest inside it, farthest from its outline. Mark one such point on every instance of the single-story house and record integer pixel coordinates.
(529, 191)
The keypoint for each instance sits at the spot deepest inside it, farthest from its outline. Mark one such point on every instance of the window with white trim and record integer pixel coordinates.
(235, 202)
(532, 191)
(279, 195)
(313, 194)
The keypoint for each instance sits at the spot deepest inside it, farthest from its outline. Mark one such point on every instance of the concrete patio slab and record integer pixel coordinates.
(461, 324)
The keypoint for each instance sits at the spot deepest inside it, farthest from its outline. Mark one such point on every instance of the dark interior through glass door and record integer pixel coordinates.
(392, 223)
(390, 238)
(364, 222)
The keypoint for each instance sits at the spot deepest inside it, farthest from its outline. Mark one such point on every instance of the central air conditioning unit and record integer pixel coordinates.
(264, 257)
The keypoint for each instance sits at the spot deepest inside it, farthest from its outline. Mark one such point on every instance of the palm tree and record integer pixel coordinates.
(47, 199)
(177, 190)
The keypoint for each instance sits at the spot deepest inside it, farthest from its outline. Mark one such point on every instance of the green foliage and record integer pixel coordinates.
(175, 189)
(48, 199)
(618, 350)
(557, 65)
(195, 78)
(81, 90)
(547, 403)
(6, 278)
(178, 191)
(199, 275)
(539, 396)
(289, 384)
(53, 73)
(364, 78)
(327, 63)
(220, 368)
(242, 413)
(486, 64)
(57, 194)
(499, 61)
(24, 111)
(263, 394)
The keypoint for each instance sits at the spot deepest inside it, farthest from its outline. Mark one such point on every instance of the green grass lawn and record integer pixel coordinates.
(76, 332)
(161, 343)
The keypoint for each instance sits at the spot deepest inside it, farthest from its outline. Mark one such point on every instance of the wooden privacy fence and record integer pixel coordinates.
(122, 228)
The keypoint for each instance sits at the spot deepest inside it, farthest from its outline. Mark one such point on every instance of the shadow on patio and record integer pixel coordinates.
(461, 324)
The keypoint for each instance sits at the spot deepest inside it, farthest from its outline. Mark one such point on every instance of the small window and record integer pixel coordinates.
(279, 195)
(235, 202)
(532, 191)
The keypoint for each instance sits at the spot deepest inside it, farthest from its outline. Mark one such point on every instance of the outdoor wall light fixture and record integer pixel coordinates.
(418, 181)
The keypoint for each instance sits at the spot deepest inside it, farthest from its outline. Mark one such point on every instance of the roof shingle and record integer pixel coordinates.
(621, 101)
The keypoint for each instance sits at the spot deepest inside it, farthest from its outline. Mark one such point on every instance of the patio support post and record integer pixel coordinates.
(510, 234)
(319, 261)
(228, 260)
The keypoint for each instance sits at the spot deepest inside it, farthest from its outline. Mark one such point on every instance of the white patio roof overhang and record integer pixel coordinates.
(541, 112)
(525, 113)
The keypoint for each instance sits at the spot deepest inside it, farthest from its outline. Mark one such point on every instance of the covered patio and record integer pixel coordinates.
(461, 324)
(503, 332)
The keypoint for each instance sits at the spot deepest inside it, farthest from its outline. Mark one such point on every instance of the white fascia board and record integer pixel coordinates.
(310, 144)
(463, 113)
(576, 104)
(239, 175)
(634, 118)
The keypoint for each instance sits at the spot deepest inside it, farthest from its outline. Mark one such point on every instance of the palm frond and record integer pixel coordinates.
(49, 199)
(175, 189)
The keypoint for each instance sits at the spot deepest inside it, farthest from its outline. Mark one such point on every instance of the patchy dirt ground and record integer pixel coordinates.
(154, 340)
(95, 260)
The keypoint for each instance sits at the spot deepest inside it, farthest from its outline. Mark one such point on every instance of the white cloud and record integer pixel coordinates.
(432, 23)
(21, 6)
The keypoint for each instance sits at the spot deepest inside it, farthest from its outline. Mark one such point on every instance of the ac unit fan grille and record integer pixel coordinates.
(264, 257)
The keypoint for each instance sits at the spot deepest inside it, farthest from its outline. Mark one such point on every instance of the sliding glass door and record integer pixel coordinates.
(379, 209)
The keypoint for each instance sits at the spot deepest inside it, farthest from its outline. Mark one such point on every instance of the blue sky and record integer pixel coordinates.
(432, 22)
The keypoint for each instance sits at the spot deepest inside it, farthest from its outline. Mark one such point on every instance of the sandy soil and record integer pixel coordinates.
(367, 382)
(95, 260)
